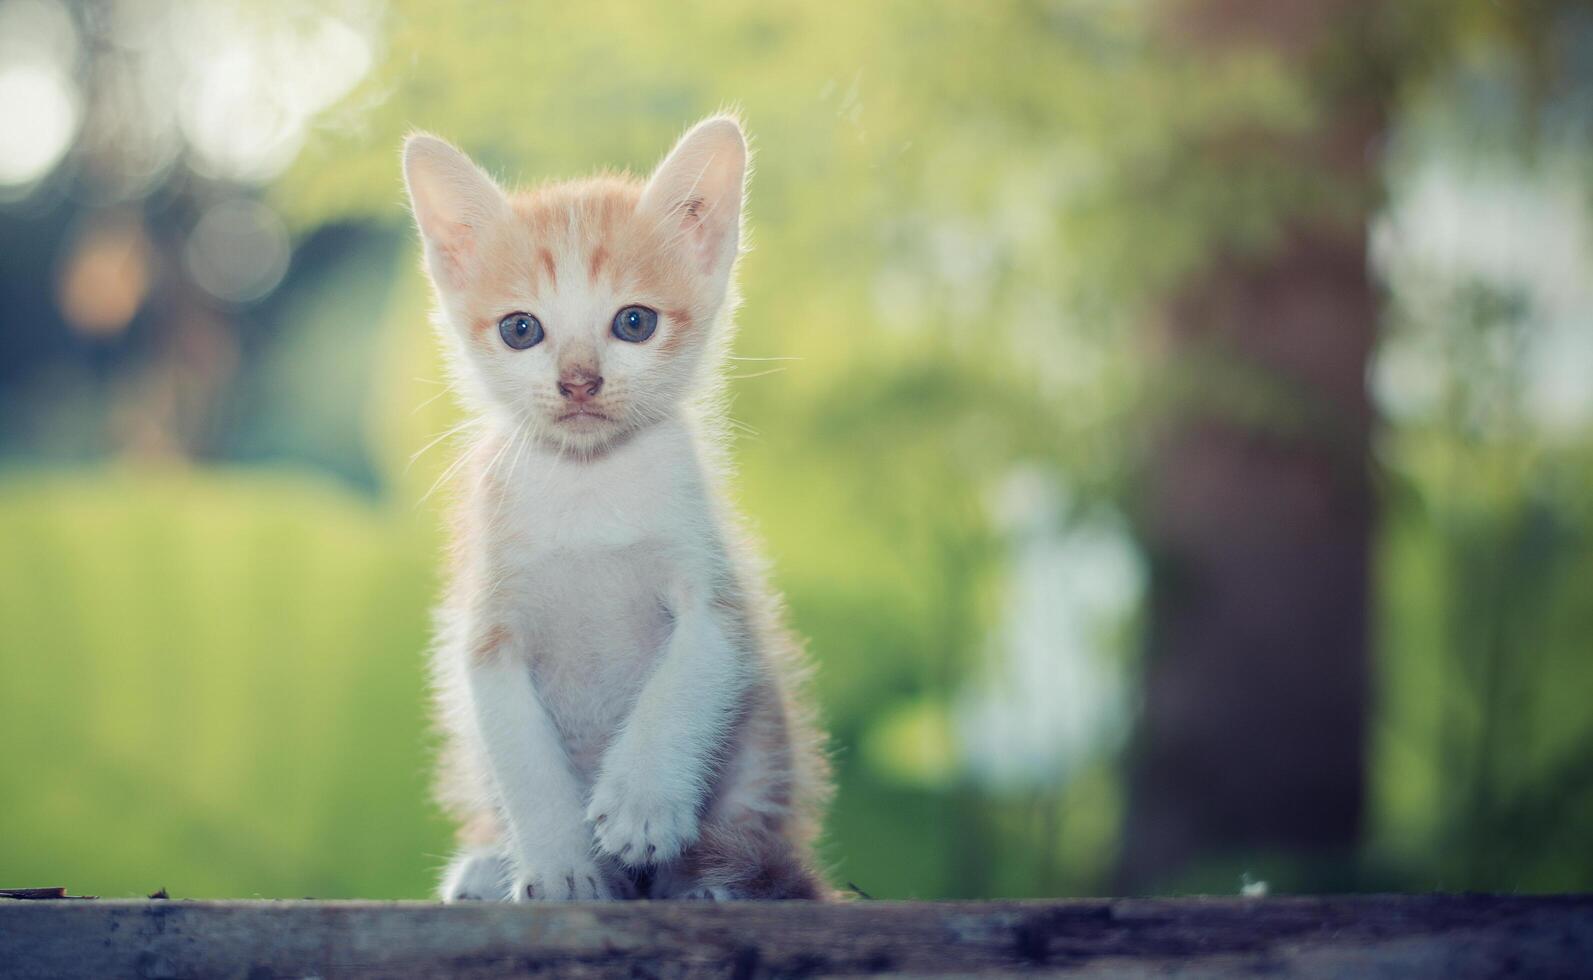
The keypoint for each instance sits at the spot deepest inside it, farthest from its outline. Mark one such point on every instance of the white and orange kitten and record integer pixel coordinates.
(619, 697)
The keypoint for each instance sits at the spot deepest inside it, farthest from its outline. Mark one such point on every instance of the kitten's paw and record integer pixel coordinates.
(579, 882)
(477, 876)
(675, 884)
(639, 823)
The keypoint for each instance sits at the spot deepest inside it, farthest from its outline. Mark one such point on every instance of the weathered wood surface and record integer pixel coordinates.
(1361, 937)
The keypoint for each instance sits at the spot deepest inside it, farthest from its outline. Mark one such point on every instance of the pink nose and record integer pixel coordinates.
(580, 386)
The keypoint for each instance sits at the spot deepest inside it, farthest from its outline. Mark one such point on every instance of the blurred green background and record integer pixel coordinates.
(1022, 274)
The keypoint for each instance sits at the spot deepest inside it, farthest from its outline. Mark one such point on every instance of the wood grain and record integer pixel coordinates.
(1369, 936)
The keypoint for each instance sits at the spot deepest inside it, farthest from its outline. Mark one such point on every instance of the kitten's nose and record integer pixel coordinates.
(580, 385)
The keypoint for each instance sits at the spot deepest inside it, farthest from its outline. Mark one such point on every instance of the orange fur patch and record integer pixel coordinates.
(681, 328)
(481, 829)
(753, 863)
(490, 646)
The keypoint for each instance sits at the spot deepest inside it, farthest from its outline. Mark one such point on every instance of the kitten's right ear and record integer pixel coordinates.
(455, 205)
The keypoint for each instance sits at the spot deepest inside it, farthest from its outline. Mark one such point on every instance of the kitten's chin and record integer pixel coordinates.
(586, 431)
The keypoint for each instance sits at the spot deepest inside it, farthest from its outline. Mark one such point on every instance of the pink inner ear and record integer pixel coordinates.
(455, 247)
(705, 230)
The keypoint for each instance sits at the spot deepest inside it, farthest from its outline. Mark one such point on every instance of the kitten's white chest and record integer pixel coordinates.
(596, 627)
(636, 493)
(590, 550)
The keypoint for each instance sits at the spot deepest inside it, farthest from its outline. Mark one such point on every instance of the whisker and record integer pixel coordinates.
(444, 477)
(755, 374)
(741, 426)
(514, 463)
(446, 389)
(454, 430)
(492, 464)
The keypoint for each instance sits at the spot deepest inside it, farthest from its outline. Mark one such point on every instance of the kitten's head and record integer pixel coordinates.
(581, 312)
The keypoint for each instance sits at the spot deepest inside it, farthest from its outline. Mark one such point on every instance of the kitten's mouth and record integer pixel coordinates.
(583, 416)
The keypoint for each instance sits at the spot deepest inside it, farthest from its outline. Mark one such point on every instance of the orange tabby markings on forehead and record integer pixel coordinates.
(594, 218)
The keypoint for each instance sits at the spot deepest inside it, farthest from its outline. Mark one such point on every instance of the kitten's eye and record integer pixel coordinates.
(520, 330)
(635, 324)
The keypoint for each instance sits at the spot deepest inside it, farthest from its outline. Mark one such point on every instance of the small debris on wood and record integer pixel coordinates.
(40, 894)
(852, 886)
(159, 894)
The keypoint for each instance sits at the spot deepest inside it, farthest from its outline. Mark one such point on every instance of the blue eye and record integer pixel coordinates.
(635, 324)
(520, 330)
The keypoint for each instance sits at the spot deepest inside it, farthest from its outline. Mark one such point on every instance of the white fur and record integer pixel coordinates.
(603, 575)
(478, 874)
(598, 646)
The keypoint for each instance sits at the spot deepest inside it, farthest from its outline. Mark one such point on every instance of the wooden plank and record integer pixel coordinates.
(1369, 936)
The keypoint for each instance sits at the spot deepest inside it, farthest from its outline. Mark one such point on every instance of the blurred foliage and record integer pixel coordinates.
(960, 216)
(211, 682)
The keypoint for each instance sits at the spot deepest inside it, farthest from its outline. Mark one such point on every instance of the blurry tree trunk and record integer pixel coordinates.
(1252, 738)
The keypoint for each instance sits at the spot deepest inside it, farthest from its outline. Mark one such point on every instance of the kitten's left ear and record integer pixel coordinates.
(696, 193)
(456, 206)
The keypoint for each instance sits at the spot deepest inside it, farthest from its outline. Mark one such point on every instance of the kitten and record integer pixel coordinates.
(620, 700)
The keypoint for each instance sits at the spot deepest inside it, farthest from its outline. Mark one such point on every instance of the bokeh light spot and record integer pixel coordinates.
(105, 278)
(238, 251)
(38, 106)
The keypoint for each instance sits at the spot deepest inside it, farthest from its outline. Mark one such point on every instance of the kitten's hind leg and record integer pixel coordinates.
(477, 874)
(730, 863)
(679, 882)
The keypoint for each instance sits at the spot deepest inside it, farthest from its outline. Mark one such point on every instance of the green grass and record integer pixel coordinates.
(214, 683)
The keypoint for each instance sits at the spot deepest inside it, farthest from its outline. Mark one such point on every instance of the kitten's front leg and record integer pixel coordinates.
(644, 804)
(549, 841)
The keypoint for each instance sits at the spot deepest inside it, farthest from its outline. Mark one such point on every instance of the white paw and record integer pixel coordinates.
(571, 881)
(640, 822)
(709, 893)
(480, 875)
